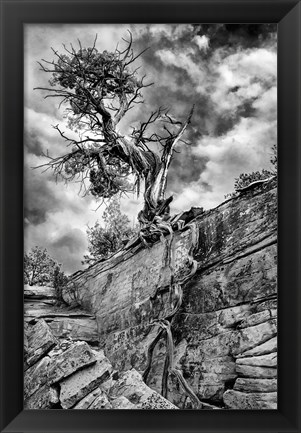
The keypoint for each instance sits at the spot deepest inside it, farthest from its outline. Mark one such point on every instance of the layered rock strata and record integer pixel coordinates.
(225, 332)
(68, 374)
(65, 322)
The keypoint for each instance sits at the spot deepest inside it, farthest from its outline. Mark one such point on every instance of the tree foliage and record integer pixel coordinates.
(98, 89)
(59, 281)
(39, 267)
(104, 241)
(245, 179)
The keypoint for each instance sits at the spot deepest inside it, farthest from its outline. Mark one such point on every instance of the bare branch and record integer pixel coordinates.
(99, 89)
(167, 153)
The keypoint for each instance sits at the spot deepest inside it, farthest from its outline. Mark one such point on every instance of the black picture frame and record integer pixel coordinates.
(13, 15)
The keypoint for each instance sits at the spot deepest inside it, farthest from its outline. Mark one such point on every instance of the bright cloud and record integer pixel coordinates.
(242, 150)
(202, 42)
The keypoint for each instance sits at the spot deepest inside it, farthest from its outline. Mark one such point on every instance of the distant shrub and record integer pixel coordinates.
(244, 179)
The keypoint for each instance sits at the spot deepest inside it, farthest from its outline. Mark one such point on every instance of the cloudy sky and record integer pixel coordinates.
(228, 71)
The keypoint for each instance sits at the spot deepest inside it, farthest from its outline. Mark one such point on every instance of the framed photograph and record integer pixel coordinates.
(150, 219)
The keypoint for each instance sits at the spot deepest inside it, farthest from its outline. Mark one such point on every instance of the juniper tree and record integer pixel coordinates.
(98, 89)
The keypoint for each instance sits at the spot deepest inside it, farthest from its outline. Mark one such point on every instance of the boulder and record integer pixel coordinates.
(40, 340)
(255, 385)
(75, 357)
(36, 376)
(78, 385)
(240, 400)
(57, 365)
(131, 386)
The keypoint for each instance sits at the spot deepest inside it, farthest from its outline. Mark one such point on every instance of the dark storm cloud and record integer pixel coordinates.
(177, 100)
(158, 72)
(224, 123)
(246, 109)
(184, 170)
(236, 36)
(43, 196)
(227, 37)
(197, 65)
(69, 249)
(73, 241)
(33, 143)
(39, 197)
(159, 37)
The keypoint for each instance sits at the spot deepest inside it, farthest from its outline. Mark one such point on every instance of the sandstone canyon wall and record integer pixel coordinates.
(64, 367)
(225, 332)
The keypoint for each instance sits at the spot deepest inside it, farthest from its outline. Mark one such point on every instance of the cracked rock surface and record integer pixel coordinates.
(70, 374)
(229, 308)
(225, 332)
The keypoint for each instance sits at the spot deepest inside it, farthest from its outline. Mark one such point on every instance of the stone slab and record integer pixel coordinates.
(40, 341)
(57, 365)
(77, 356)
(255, 385)
(77, 386)
(268, 360)
(240, 400)
(256, 371)
(270, 346)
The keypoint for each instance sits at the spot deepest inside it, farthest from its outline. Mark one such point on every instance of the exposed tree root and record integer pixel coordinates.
(176, 292)
(150, 351)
